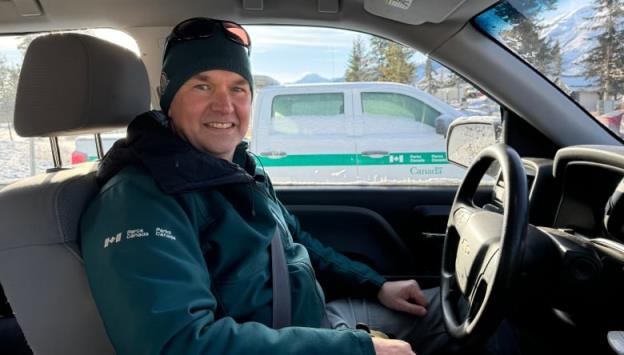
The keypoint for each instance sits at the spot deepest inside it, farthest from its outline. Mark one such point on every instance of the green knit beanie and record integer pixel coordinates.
(188, 58)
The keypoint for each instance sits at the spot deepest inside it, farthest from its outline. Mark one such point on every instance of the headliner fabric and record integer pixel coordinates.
(76, 84)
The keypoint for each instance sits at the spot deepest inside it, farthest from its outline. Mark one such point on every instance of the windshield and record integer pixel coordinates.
(576, 44)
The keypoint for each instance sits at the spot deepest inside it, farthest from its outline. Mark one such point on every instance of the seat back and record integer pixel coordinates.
(69, 84)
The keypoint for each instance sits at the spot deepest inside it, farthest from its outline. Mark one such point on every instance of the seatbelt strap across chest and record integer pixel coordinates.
(281, 283)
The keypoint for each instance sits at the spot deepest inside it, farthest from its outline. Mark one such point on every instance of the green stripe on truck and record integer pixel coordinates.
(355, 159)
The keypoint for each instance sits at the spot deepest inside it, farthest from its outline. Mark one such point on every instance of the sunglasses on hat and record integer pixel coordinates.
(202, 27)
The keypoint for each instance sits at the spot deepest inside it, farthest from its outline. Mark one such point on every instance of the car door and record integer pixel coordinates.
(303, 134)
(396, 139)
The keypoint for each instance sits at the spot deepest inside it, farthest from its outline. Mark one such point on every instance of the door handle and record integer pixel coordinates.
(274, 154)
(375, 153)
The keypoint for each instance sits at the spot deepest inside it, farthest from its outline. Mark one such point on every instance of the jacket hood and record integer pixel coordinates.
(175, 164)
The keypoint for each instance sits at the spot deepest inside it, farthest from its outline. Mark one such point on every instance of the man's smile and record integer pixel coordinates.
(219, 125)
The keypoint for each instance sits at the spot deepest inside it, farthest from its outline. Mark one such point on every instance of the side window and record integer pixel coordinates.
(308, 105)
(308, 114)
(351, 108)
(397, 105)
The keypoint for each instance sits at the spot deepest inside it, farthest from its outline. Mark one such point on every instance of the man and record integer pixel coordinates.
(177, 244)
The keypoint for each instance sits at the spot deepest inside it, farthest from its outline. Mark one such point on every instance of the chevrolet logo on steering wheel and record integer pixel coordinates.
(465, 246)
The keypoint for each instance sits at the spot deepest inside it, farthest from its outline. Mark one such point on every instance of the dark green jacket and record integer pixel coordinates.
(176, 247)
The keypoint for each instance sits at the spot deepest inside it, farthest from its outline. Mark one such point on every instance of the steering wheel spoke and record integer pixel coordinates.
(479, 233)
(482, 289)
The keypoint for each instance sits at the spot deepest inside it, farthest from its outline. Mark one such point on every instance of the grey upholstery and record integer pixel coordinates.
(40, 266)
(41, 269)
(73, 84)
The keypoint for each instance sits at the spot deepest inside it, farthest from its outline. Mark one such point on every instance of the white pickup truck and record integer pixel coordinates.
(352, 133)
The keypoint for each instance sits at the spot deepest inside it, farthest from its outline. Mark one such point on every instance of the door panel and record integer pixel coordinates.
(399, 231)
(364, 222)
(371, 239)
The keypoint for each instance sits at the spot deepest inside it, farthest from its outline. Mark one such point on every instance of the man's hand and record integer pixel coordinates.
(392, 347)
(405, 296)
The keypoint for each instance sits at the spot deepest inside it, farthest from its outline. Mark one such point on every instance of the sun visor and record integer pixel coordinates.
(413, 12)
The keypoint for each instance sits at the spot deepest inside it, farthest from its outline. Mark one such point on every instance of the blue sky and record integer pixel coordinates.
(288, 53)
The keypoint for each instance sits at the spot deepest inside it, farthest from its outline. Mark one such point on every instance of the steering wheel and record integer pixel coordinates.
(483, 248)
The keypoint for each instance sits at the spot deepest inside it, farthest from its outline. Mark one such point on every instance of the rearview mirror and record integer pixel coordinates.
(468, 136)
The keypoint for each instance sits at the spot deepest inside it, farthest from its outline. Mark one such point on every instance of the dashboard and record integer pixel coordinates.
(592, 178)
(574, 248)
(580, 192)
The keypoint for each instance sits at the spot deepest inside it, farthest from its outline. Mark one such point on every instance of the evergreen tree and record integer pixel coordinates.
(357, 67)
(605, 61)
(376, 57)
(396, 65)
(384, 61)
(524, 39)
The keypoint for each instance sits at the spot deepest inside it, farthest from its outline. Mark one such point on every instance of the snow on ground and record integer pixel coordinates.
(15, 155)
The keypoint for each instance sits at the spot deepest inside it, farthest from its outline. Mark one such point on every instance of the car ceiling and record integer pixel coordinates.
(440, 28)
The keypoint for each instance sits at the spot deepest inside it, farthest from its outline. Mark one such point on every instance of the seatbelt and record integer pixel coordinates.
(281, 283)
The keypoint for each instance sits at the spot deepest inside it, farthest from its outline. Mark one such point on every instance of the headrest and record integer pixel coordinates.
(75, 84)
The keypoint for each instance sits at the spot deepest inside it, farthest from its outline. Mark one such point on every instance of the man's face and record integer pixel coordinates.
(211, 112)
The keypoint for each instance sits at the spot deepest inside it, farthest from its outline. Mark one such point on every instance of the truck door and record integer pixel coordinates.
(396, 138)
(306, 135)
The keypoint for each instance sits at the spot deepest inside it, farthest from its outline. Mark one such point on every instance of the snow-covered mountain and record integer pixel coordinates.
(315, 78)
(572, 31)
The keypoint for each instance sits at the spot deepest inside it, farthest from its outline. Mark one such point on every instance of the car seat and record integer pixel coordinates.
(69, 84)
